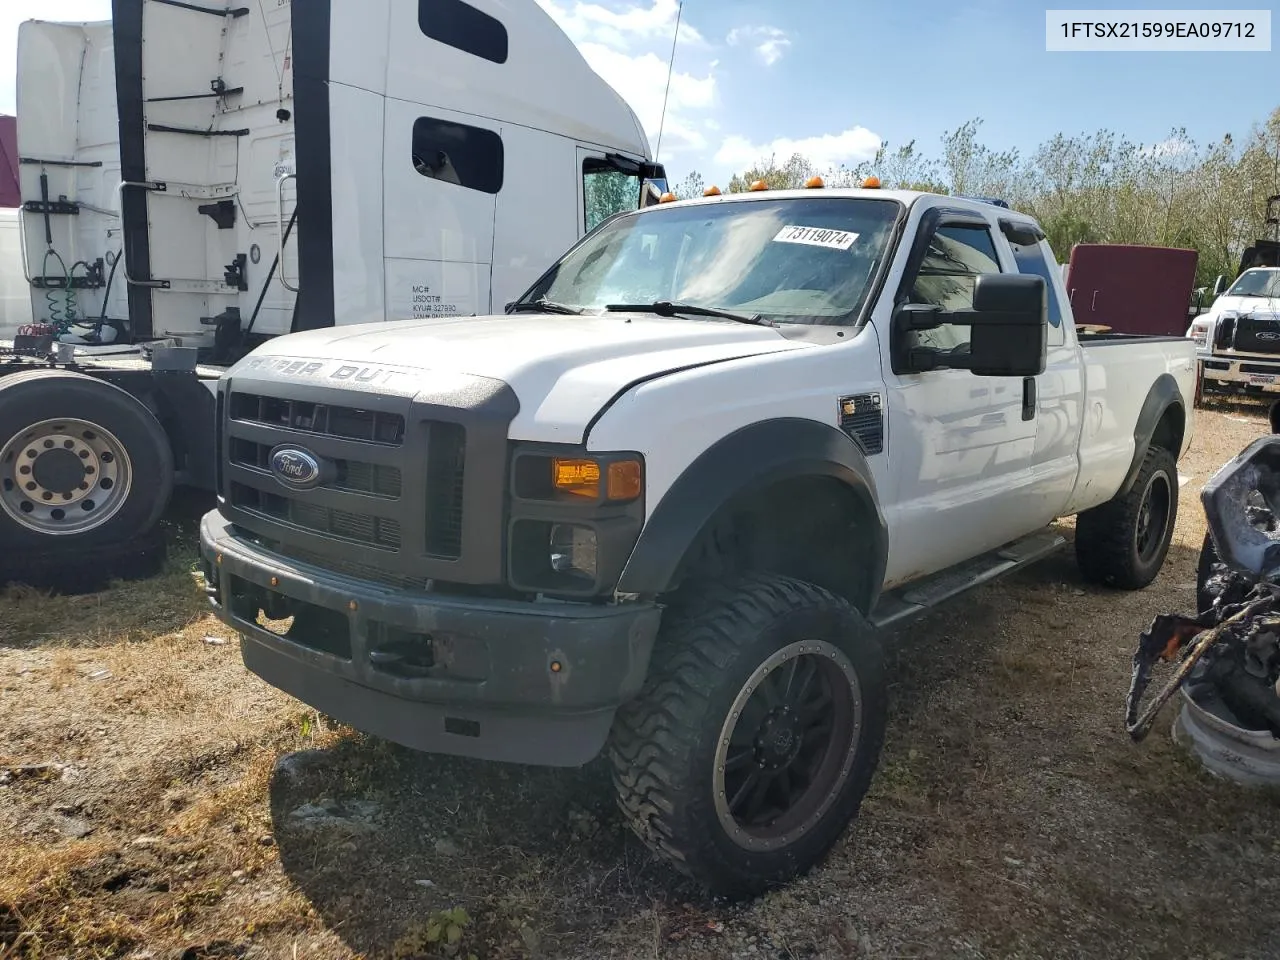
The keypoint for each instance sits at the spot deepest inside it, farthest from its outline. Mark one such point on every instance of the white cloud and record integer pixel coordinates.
(620, 29)
(629, 46)
(642, 81)
(1169, 147)
(827, 150)
(13, 12)
(769, 43)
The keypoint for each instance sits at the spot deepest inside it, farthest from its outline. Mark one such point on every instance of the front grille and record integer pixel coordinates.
(446, 466)
(347, 423)
(380, 532)
(390, 505)
(1257, 335)
(353, 476)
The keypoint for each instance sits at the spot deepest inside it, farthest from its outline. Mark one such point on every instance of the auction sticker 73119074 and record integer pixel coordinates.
(816, 237)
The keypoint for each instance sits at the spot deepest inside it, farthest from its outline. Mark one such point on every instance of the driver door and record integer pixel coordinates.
(961, 444)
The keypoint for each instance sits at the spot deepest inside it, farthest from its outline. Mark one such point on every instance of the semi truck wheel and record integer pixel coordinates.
(82, 463)
(756, 734)
(1123, 543)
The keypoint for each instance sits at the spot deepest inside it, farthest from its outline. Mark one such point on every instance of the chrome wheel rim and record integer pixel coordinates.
(64, 477)
(787, 746)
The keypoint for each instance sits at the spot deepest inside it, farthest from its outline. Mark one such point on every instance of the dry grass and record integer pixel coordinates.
(1011, 817)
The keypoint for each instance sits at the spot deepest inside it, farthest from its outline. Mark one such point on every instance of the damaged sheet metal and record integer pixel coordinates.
(1227, 657)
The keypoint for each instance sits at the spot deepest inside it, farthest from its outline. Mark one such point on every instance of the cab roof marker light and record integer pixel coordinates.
(711, 191)
(814, 183)
(871, 183)
(758, 185)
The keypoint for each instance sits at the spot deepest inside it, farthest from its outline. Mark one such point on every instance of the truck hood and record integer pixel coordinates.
(563, 369)
(1265, 308)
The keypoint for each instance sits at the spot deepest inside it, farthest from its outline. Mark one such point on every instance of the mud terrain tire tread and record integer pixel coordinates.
(659, 740)
(1105, 545)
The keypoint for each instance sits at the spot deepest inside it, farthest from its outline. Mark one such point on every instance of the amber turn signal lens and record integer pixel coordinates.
(624, 480)
(579, 477)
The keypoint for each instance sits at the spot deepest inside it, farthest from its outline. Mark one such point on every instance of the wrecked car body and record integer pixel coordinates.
(1227, 657)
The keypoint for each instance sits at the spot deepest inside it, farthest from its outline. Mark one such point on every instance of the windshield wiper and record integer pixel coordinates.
(543, 305)
(665, 308)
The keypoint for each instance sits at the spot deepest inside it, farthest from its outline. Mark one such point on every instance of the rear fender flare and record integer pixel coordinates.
(1163, 396)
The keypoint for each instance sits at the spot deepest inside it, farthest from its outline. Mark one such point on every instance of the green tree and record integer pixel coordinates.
(606, 192)
(690, 186)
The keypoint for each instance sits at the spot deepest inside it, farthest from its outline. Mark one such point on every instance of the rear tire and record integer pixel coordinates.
(90, 569)
(756, 735)
(82, 463)
(1123, 543)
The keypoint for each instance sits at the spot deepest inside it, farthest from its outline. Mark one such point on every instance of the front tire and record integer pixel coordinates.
(1123, 543)
(756, 735)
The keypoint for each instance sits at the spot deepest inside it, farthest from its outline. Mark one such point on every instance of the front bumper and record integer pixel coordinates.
(1249, 376)
(534, 683)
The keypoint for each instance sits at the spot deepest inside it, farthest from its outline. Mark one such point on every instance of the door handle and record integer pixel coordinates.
(1028, 398)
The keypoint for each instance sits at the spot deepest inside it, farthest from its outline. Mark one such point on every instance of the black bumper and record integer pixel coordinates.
(499, 680)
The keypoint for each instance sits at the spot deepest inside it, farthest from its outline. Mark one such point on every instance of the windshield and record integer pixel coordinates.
(806, 260)
(1256, 283)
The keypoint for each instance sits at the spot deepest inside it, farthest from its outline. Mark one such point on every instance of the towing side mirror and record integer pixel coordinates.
(1008, 326)
(1219, 285)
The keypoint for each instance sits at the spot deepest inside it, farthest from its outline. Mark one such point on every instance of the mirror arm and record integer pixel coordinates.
(926, 359)
(921, 316)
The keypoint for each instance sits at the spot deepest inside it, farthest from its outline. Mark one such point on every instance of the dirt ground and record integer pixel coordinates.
(144, 814)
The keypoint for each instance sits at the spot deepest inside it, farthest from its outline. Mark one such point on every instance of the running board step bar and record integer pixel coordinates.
(921, 596)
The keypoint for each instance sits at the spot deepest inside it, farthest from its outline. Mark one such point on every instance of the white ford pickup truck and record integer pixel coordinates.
(1238, 340)
(660, 508)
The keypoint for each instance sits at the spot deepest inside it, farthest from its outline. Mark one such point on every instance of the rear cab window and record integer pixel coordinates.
(1034, 259)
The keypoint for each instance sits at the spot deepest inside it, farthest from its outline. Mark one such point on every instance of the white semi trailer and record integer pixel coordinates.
(198, 178)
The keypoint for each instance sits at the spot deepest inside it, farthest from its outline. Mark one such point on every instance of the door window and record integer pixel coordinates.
(958, 254)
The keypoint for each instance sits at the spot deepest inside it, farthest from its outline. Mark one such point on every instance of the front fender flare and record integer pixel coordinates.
(745, 461)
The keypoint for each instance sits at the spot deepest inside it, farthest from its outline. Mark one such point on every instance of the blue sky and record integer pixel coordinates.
(835, 77)
(832, 78)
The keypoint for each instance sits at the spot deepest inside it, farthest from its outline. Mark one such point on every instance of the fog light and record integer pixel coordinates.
(573, 550)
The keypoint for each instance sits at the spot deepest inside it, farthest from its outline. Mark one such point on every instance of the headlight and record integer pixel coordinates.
(574, 518)
(572, 551)
(582, 478)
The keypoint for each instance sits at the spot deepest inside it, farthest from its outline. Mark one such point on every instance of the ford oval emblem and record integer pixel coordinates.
(295, 467)
(1267, 335)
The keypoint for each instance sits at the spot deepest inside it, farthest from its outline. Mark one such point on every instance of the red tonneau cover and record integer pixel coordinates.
(9, 196)
(1132, 289)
